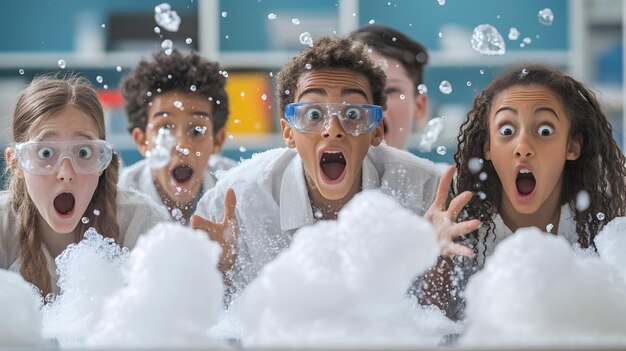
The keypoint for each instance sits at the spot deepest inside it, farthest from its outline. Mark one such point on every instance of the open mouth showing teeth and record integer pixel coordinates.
(525, 182)
(182, 173)
(64, 203)
(333, 164)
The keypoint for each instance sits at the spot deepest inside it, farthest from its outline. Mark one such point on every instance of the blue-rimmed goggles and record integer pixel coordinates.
(316, 117)
(45, 157)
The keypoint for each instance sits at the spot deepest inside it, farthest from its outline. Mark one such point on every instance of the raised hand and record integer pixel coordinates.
(225, 232)
(444, 220)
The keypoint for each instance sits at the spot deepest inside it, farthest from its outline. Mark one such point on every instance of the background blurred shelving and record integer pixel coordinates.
(95, 37)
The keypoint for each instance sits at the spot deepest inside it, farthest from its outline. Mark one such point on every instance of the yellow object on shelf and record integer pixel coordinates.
(250, 96)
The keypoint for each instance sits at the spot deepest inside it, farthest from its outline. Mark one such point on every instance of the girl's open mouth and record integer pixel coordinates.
(333, 165)
(525, 182)
(64, 203)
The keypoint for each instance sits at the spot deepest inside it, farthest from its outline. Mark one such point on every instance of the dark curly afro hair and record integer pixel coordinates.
(175, 71)
(330, 52)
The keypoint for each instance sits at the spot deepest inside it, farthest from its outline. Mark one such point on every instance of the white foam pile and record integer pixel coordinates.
(343, 283)
(166, 293)
(536, 291)
(20, 320)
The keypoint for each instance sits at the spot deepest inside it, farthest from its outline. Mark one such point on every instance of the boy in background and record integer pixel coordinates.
(403, 60)
(177, 107)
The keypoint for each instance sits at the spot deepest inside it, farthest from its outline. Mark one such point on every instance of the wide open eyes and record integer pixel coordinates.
(506, 130)
(45, 152)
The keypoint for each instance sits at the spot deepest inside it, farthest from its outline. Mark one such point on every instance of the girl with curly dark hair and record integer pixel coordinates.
(536, 150)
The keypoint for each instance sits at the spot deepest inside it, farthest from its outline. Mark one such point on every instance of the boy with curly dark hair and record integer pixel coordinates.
(331, 97)
(177, 107)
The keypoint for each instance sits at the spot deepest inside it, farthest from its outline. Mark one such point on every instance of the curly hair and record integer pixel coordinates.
(330, 52)
(188, 73)
(392, 43)
(41, 100)
(600, 169)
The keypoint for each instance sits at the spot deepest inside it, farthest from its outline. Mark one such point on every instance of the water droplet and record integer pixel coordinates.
(434, 127)
(236, 121)
(306, 39)
(192, 88)
(231, 137)
(177, 213)
(242, 149)
(422, 89)
(481, 195)
(469, 84)
(263, 97)
(545, 17)
(523, 73)
(441, 150)
(178, 104)
(527, 40)
(487, 40)
(167, 18)
(224, 14)
(440, 34)
(226, 36)
(188, 41)
(475, 164)
(445, 87)
(225, 74)
(149, 93)
(198, 153)
(371, 21)
(105, 87)
(482, 72)
(96, 212)
(513, 33)
(402, 97)
(271, 74)
(318, 214)
(482, 176)
(118, 68)
(61, 63)
(21, 71)
(287, 92)
(84, 220)
(582, 201)
(441, 2)
(201, 129)
(549, 227)
(295, 21)
(308, 66)
(157, 30)
(271, 16)
(99, 79)
(600, 216)
(167, 46)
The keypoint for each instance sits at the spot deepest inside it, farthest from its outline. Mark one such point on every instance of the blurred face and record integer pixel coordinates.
(332, 158)
(405, 106)
(62, 197)
(185, 120)
(528, 145)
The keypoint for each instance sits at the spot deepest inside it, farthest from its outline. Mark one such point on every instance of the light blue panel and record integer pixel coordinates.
(424, 19)
(43, 25)
(245, 22)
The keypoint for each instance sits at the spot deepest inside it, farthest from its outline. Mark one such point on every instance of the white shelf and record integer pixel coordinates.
(31, 60)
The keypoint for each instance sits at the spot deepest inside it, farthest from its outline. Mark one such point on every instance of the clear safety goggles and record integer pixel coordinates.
(316, 117)
(45, 157)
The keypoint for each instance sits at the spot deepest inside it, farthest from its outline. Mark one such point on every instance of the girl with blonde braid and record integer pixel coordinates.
(63, 181)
